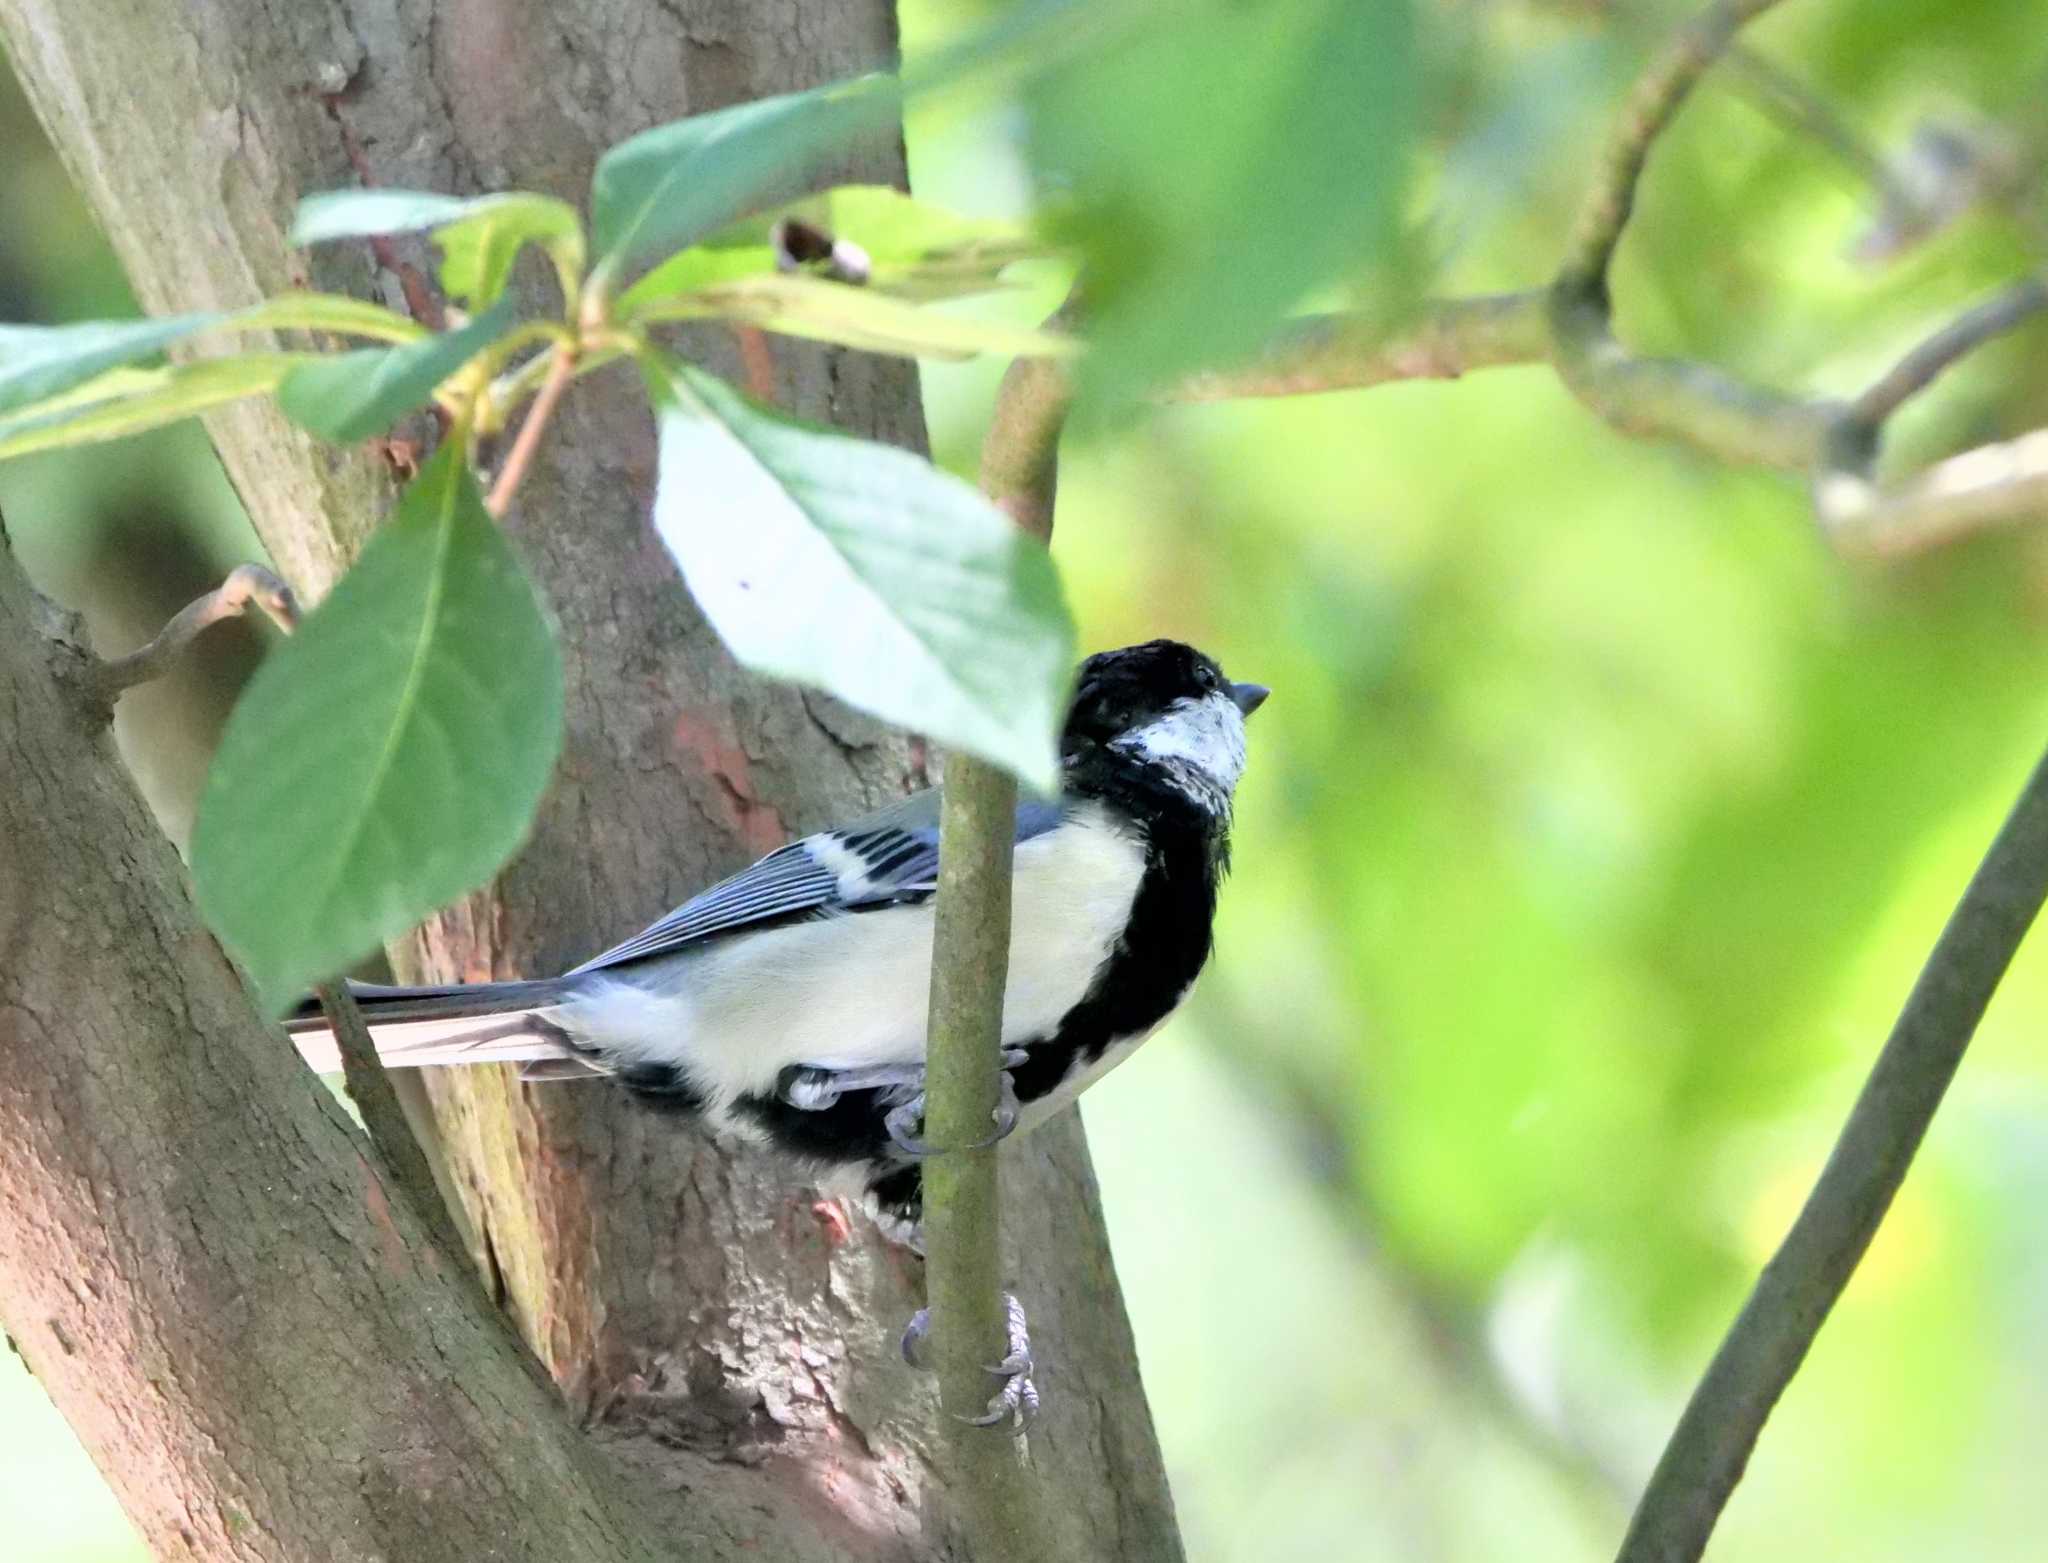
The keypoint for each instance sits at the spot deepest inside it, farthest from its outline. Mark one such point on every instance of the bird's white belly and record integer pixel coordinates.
(852, 990)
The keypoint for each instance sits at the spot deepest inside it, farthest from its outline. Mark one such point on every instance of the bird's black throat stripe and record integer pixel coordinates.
(1171, 927)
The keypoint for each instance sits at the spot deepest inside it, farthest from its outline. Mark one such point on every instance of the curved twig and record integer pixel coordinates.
(2000, 313)
(1769, 1339)
(246, 584)
(1653, 102)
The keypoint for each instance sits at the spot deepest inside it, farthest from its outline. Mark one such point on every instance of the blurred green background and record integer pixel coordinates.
(1594, 834)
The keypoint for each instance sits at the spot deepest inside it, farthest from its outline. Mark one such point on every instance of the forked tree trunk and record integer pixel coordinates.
(706, 1323)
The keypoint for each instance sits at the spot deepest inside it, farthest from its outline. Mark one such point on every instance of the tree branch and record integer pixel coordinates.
(370, 1088)
(1981, 488)
(266, 1355)
(1447, 338)
(246, 584)
(963, 1273)
(1681, 399)
(1712, 1443)
(1652, 104)
(1920, 367)
(970, 966)
(368, 1084)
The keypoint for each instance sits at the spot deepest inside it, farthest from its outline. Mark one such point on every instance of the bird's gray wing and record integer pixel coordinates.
(888, 857)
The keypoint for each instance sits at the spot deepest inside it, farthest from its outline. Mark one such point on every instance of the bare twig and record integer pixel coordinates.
(370, 1088)
(1445, 339)
(1652, 104)
(1798, 106)
(1988, 486)
(963, 1275)
(1681, 399)
(970, 967)
(246, 584)
(561, 370)
(1020, 454)
(1918, 369)
(1763, 1349)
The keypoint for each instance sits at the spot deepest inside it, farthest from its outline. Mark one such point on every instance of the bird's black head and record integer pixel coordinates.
(1166, 705)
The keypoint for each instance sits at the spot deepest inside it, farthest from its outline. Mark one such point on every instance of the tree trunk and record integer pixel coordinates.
(701, 1316)
(265, 1354)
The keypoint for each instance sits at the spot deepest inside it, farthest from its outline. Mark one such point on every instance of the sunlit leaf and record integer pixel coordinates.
(863, 570)
(40, 362)
(46, 369)
(666, 186)
(893, 227)
(1224, 161)
(480, 236)
(351, 396)
(389, 756)
(913, 249)
(700, 266)
(478, 251)
(129, 401)
(335, 312)
(797, 305)
(361, 214)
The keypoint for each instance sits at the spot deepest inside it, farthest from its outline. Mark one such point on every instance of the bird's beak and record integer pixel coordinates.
(1249, 697)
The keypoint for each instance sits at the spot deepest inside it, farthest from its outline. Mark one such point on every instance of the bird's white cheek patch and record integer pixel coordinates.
(1206, 736)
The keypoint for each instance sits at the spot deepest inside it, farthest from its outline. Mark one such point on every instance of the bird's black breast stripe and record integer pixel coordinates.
(1165, 943)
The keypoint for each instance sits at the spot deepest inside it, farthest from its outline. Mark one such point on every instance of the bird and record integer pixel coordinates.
(786, 1005)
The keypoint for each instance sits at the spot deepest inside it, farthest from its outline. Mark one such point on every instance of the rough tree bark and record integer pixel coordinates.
(702, 1319)
(264, 1352)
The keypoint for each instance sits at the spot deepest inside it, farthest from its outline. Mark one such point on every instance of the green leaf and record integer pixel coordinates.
(914, 249)
(41, 362)
(129, 401)
(862, 570)
(335, 312)
(1227, 159)
(894, 228)
(362, 214)
(351, 396)
(389, 756)
(45, 369)
(797, 305)
(480, 236)
(477, 252)
(666, 186)
(700, 266)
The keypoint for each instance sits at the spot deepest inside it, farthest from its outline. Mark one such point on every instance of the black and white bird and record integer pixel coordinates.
(786, 1005)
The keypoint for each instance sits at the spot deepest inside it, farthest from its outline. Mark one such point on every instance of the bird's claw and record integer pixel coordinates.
(902, 1120)
(912, 1344)
(1017, 1400)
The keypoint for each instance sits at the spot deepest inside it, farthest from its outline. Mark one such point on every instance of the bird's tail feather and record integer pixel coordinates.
(464, 1023)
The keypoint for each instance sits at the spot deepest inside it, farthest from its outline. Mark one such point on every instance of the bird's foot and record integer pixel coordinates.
(813, 1088)
(904, 1120)
(1017, 1399)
